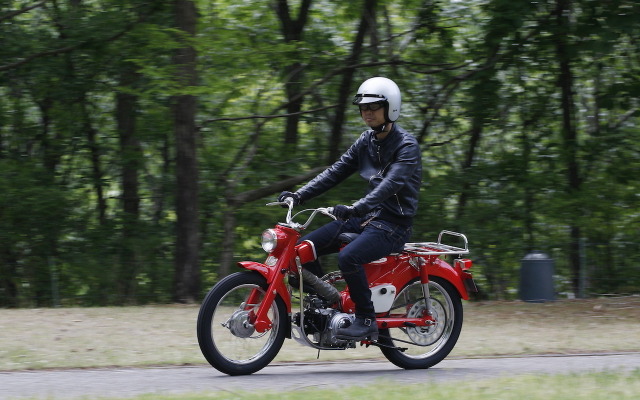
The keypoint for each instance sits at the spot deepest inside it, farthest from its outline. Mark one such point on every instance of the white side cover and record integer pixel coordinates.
(382, 297)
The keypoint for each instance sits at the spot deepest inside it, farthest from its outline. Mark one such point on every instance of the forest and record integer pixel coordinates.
(141, 140)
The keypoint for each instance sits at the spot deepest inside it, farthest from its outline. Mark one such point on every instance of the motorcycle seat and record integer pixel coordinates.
(348, 237)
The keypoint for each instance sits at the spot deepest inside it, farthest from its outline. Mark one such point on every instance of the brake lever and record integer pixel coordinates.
(329, 212)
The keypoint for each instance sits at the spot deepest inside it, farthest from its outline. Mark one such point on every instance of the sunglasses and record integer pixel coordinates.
(370, 106)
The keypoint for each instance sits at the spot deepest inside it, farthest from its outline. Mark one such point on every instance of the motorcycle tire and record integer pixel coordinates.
(424, 347)
(226, 336)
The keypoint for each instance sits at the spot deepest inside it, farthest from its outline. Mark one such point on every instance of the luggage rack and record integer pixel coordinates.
(438, 248)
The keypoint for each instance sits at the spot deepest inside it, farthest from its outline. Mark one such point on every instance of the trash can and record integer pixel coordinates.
(536, 278)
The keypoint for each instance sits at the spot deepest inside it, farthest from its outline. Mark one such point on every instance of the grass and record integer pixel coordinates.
(600, 386)
(165, 335)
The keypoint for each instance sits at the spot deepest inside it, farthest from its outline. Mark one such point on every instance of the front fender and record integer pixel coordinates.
(274, 278)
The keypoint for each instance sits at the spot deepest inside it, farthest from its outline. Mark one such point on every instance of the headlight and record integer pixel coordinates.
(269, 240)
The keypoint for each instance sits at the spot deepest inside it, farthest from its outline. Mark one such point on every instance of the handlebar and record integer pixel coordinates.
(328, 211)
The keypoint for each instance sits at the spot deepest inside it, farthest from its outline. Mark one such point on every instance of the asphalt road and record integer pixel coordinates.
(128, 382)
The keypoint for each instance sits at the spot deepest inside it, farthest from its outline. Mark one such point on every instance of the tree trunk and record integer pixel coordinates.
(161, 188)
(96, 171)
(569, 136)
(226, 254)
(187, 269)
(292, 30)
(474, 141)
(529, 190)
(344, 93)
(131, 158)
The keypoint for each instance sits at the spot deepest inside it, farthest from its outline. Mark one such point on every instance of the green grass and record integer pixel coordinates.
(165, 335)
(593, 386)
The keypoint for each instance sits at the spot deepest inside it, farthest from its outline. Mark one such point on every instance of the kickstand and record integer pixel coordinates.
(318, 355)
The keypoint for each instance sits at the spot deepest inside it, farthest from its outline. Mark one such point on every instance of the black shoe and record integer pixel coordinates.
(362, 328)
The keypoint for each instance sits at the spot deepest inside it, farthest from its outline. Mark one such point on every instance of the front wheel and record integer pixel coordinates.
(423, 347)
(226, 335)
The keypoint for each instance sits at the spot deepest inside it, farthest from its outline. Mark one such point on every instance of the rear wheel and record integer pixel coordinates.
(424, 347)
(226, 335)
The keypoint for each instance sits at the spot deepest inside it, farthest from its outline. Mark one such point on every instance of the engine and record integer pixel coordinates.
(323, 323)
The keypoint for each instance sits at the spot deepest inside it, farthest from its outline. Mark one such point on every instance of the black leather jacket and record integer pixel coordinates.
(393, 168)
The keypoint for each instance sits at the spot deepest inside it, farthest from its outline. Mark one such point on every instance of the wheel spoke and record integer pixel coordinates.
(236, 340)
(226, 334)
(423, 346)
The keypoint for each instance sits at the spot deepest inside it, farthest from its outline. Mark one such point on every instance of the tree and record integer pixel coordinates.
(292, 32)
(367, 24)
(137, 151)
(187, 272)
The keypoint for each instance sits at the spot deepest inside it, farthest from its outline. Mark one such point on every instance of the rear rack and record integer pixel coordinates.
(438, 248)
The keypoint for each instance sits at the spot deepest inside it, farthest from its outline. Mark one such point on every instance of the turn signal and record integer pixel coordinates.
(464, 263)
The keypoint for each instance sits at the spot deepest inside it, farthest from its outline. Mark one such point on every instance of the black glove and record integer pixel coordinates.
(343, 212)
(285, 195)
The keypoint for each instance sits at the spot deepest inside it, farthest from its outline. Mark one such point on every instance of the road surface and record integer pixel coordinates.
(128, 382)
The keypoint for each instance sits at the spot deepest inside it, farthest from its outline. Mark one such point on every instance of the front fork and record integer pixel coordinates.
(262, 322)
(260, 319)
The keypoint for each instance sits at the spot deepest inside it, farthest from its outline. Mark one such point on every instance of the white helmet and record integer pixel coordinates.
(381, 89)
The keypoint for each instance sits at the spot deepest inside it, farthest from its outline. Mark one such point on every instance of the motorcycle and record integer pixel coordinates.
(245, 318)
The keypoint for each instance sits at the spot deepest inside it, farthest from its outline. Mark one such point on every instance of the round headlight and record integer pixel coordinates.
(269, 240)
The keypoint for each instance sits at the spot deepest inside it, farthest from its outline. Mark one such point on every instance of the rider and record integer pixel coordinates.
(389, 159)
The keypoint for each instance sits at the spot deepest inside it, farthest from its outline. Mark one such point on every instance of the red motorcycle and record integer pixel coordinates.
(245, 318)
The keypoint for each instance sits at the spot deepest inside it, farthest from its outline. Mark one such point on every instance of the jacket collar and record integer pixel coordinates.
(389, 138)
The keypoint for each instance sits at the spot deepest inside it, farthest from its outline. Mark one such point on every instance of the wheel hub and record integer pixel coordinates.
(427, 335)
(239, 324)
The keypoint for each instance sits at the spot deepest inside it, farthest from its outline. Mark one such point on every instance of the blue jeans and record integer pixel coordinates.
(378, 238)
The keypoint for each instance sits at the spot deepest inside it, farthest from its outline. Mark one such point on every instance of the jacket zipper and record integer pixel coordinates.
(382, 168)
(381, 174)
(399, 206)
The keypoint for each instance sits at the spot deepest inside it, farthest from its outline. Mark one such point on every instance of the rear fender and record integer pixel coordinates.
(453, 275)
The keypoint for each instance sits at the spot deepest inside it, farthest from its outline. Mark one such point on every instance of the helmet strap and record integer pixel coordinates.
(379, 128)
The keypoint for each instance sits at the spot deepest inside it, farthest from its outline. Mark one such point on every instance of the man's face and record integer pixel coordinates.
(372, 114)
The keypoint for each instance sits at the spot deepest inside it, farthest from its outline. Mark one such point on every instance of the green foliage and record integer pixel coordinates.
(33, 218)
(489, 67)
